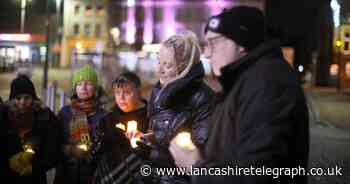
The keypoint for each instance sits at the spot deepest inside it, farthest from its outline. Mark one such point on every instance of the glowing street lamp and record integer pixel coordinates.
(23, 13)
(338, 43)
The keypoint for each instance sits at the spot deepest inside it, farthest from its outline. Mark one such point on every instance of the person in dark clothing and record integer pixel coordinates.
(29, 136)
(179, 102)
(115, 160)
(261, 119)
(79, 122)
(129, 103)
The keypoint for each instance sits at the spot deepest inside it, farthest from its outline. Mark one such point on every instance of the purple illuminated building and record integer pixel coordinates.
(151, 21)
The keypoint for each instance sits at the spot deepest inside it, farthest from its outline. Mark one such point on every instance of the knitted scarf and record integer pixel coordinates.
(79, 126)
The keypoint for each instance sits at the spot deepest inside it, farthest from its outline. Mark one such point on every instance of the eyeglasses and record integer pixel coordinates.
(210, 43)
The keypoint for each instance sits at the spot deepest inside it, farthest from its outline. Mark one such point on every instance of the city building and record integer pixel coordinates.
(85, 31)
(143, 24)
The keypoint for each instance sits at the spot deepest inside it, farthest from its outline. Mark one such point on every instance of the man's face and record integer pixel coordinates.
(127, 97)
(166, 67)
(85, 90)
(221, 51)
(23, 101)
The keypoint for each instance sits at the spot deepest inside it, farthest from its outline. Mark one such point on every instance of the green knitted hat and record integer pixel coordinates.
(85, 73)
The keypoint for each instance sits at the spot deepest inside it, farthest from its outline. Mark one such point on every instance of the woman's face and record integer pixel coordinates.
(127, 97)
(85, 90)
(166, 67)
(23, 101)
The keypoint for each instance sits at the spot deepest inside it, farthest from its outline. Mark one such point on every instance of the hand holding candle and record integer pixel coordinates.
(83, 147)
(184, 152)
(132, 133)
(184, 140)
(121, 126)
(28, 149)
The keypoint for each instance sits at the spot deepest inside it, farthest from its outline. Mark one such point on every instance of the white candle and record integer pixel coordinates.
(132, 127)
(28, 149)
(83, 147)
(184, 140)
(133, 141)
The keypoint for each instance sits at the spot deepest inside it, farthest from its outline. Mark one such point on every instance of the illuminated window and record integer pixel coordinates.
(76, 29)
(347, 70)
(87, 29)
(76, 9)
(333, 70)
(100, 10)
(346, 46)
(88, 10)
(347, 35)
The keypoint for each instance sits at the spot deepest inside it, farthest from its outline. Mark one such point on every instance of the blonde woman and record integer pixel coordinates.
(180, 101)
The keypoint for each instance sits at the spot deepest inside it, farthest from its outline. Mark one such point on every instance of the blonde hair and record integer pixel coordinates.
(186, 52)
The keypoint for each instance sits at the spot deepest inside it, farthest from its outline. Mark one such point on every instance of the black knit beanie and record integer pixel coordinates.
(22, 85)
(243, 24)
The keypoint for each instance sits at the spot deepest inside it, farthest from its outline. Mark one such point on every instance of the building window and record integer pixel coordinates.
(346, 46)
(76, 9)
(87, 29)
(98, 31)
(76, 29)
(100, 10)
(88, 10)
(347, 35)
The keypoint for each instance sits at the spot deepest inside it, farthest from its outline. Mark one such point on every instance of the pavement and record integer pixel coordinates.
(329, 134)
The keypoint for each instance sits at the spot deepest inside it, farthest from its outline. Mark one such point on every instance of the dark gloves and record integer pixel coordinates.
(143, 150)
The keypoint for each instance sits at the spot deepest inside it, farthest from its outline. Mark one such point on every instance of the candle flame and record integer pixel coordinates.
(83, 147)
(28, 149)
(132, 126)
(184, 140)
(120, 126)
(133, 141)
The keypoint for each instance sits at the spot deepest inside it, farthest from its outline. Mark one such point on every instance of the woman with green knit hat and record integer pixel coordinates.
(79, 122)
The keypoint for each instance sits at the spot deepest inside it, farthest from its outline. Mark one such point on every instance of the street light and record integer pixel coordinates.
(339, 44)
(23, 13)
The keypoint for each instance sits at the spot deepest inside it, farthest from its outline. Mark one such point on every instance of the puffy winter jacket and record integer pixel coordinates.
(182, 105)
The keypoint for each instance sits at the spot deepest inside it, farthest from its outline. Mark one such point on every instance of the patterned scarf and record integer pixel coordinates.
(79, 126)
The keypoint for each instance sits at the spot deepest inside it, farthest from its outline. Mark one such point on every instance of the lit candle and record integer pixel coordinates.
(132, 133)
(133, 141)
(28, 149)
(120, 126)
(184, 140)
(83, 147)
(132, 127)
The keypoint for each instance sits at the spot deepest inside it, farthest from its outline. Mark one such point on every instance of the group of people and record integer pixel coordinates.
(259, 119)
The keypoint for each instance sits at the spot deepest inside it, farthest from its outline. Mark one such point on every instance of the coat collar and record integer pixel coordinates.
(171, 91)
(233, 70)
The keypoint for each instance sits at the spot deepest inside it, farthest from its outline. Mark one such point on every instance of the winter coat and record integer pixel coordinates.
(115, 161)
(76, 170)
(43, 136)
(183, 105)
(260, 120)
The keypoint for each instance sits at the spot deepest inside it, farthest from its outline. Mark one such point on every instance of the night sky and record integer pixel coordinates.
(10, 12)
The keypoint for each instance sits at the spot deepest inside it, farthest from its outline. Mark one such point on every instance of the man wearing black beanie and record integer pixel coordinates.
(260, 124)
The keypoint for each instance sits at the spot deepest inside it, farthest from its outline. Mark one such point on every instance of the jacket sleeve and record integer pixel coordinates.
(50, 147)
(263, 131)
(200, 124)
